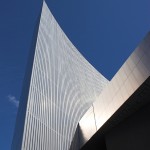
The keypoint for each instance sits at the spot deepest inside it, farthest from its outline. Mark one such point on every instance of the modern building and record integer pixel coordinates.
(120, 118)
(59, 88)
(67, 105)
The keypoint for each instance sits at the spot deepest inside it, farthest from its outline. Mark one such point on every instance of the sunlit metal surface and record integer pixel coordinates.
(63, 86)
(126, 81)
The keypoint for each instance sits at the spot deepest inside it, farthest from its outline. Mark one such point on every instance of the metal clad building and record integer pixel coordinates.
(62, 86)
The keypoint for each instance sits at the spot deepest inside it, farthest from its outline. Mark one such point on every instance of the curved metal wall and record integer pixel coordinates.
(63, 86)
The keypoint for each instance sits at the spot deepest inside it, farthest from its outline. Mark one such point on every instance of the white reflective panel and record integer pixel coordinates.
(63, 86)
(88, 124)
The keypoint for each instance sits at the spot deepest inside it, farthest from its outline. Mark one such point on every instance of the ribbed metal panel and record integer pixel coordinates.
(63, 86)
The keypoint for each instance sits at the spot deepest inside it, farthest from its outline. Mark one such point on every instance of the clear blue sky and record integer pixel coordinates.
(104, 31)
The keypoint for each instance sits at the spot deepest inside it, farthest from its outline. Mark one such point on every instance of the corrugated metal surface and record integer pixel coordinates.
(63, 86)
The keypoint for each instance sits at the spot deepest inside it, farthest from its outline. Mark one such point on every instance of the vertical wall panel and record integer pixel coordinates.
(63, 86)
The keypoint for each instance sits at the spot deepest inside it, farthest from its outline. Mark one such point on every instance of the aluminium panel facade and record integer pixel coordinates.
(133, 73)
(63, 86)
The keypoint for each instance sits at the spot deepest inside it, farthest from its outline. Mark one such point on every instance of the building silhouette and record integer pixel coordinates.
(67, 104)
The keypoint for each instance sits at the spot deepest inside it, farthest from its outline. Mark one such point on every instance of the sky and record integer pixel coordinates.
(104, 31)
